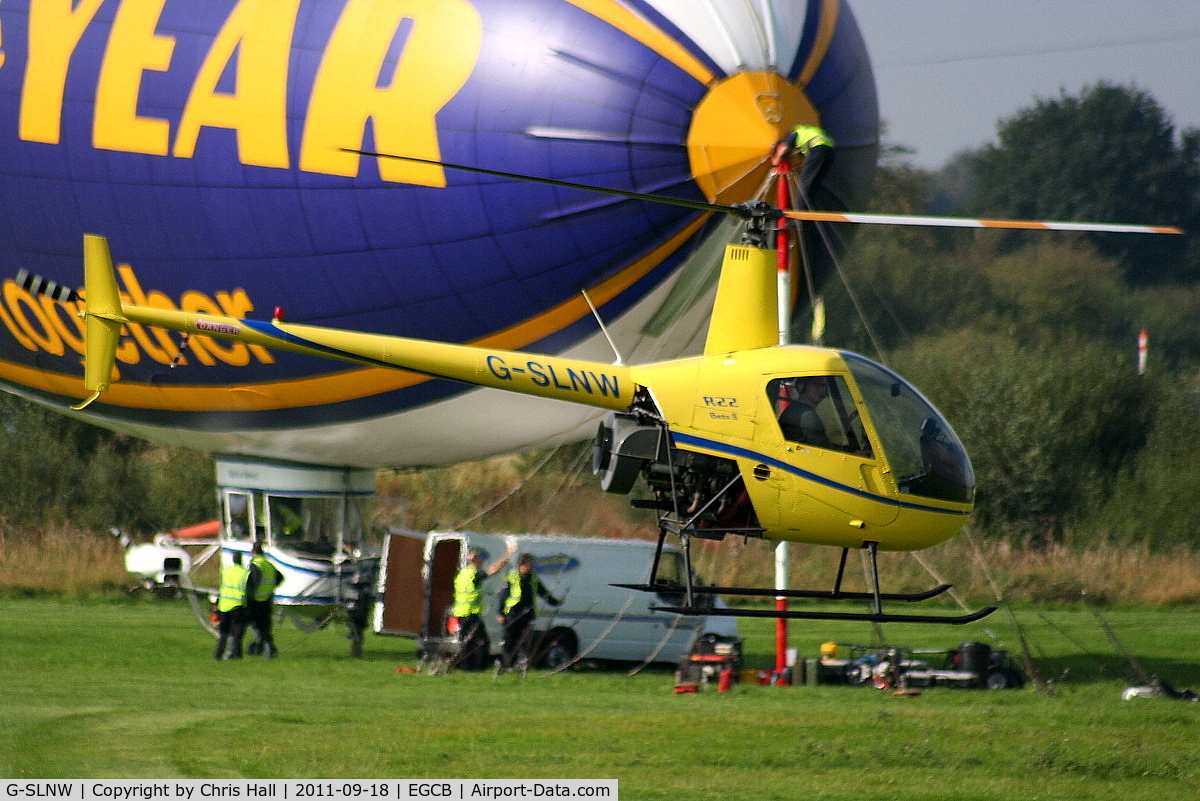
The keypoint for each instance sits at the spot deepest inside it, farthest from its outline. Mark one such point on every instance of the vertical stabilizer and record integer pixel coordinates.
(744, 313)
(103, 318)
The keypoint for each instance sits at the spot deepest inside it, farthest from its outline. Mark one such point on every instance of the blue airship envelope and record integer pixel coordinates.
(208, 141)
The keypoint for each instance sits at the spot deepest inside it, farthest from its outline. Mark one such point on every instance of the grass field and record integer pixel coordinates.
(130, 690)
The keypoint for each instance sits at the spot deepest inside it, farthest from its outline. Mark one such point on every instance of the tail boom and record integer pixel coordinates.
(578, 381)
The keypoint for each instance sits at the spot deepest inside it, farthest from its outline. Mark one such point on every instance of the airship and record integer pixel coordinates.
(220, 146)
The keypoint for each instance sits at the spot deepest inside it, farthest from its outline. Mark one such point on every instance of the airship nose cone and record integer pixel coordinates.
(734, 128)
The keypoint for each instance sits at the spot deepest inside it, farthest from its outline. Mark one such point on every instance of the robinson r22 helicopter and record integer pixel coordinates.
(880, 469)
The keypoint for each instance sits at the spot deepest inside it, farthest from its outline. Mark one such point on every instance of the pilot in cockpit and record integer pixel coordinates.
(798, 418)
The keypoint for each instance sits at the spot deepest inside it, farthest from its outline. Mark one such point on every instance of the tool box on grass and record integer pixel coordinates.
(711, 658)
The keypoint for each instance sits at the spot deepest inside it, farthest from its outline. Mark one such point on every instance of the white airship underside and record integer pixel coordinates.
(208, 141)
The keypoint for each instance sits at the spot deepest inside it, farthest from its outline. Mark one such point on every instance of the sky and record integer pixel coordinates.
(948, 71)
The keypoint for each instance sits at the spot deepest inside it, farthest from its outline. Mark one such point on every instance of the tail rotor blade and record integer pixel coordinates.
(38, 285)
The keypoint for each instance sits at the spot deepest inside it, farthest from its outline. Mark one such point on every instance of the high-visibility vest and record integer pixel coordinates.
(233, 588)
(468, 598)
(268, 578)
(514, 589)
(287, 520)
(810, 136)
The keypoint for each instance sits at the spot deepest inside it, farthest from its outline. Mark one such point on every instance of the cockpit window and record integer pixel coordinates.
(818, 411)
(307, 526)
(924, 452)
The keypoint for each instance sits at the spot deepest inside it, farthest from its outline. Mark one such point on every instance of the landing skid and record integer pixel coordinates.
(820, 595)
(867, 617)
(698, 600)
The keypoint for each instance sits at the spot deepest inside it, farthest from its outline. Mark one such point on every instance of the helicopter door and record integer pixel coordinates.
(818, 411)
(826, 459)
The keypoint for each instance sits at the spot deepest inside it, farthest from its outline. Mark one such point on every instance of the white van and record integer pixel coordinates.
(595, 619)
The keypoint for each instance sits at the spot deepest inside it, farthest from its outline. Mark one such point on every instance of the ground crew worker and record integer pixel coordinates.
(287, 518)
(231, 600)
(261, 580)
(474, 644)
(816, 146)
(518, 609)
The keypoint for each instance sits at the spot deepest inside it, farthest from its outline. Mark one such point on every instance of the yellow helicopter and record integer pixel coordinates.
(751, 438)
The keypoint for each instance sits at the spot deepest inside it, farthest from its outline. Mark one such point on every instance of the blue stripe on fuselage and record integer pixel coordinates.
(816, 478)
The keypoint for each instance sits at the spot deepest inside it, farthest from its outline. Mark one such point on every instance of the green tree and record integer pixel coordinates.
(1049, 426)
(897, 283)
(1155, 503)
(1109, 155)
(57, 471)
(901, 292)
(181, 487)
(40, 468)
(1059, 286)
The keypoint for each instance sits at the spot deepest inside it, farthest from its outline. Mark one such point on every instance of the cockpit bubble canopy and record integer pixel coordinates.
(924, 453)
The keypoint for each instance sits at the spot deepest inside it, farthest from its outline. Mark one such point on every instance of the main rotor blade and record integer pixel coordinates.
(761, 210)
(967, 222)
(625, 193)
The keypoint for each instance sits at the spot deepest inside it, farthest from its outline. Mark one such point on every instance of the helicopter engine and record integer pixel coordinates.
(623, 446)
(686, 484)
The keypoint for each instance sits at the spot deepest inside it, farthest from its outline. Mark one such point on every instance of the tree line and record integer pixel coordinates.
(57, 472)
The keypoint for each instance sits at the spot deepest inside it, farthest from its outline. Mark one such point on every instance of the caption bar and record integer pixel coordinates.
(315, 790)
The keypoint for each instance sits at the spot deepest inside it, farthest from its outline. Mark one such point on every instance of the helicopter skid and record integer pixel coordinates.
(878, 616)
(868, 617)
(689, 595)
(821, 595)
